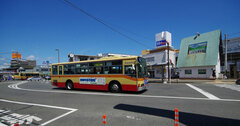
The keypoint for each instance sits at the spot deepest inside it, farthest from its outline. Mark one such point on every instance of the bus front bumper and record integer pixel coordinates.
(143, 87)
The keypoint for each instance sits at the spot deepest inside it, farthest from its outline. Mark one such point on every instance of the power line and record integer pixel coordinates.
(102, 22)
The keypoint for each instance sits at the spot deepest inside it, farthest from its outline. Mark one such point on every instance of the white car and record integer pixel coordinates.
(34, 79)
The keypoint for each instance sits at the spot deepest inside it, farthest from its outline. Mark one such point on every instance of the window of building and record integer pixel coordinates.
(188, 71)
(202, 71)
(150, 59)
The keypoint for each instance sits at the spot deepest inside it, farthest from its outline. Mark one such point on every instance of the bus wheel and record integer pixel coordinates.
(69, 85)
(115, 87)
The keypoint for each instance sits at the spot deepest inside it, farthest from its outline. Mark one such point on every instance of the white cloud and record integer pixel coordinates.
(31, 57)
(50, 58)
(2, 59)
(4, 65)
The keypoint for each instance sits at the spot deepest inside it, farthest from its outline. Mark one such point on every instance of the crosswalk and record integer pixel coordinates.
(205, 93)
(229, 86)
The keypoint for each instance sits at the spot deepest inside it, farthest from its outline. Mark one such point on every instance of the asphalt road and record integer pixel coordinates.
(39, 103)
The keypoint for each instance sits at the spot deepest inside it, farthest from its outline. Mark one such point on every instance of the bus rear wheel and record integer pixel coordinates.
(115, 88)
(69, 85)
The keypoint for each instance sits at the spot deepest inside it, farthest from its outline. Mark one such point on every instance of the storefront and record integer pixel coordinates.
(199, 56)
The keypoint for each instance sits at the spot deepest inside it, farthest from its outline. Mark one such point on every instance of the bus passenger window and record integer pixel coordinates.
(69, 69)
(54, 70)
(99, 70)
(130, 70)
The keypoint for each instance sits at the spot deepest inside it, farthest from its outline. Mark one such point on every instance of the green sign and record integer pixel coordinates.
(197, 48)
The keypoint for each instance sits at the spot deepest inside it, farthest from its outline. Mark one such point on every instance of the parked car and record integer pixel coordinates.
(238, 81)
(48, 77)
(34, 78)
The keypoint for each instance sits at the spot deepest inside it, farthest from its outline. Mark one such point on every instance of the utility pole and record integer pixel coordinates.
(58, 55)
(169, 75)
(225, 55)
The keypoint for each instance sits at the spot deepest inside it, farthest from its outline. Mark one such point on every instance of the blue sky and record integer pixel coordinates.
(36, 28)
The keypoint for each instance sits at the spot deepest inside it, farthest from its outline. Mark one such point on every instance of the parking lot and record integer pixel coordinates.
(198, 104)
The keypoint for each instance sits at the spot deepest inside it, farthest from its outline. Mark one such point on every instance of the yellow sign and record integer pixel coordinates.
(16, 55)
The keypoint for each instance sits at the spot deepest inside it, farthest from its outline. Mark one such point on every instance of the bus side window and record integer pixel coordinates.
(54, 70)
(113, 67)
(130, 70)
(84, 68)
(69, 69)
(60, 70)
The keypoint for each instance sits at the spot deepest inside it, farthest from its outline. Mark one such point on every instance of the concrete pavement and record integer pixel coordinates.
(217, 81)
(153, 107)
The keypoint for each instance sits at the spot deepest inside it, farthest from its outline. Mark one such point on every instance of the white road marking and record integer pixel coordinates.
(1, 124)
(71, 110)
(15, 86)
(229, 86)
(132, 117)
(13, 118)
(209, 95)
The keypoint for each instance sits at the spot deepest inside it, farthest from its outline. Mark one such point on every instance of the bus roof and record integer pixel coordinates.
(98, 60)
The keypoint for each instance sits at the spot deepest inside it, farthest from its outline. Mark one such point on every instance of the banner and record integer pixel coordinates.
(92, 80)
(16, 55)
(197, 48)
(161, 43)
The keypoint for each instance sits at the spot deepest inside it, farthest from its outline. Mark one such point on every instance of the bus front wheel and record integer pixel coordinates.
(115, 87)
(69, 85)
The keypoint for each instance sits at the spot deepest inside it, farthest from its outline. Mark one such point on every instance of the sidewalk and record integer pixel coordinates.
(217, 81)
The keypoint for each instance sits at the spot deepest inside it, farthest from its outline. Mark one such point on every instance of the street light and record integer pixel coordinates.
(169, 70)
(58, 55)
(225, 64)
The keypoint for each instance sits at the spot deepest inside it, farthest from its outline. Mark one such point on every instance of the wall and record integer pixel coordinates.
(195, 74)
(160, 60)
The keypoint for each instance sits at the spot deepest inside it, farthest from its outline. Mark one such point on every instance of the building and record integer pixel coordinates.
(233, 58)
(114, 54)
(157, 59)
(44, 70)
(20, 64)
(74, 57)
(199, 56)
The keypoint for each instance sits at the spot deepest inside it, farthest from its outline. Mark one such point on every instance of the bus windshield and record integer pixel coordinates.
(142, 68)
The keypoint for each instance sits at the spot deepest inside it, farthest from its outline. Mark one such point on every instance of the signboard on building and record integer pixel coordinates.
(162, 39)
(16, 55)
(197, 48)
(161, 43)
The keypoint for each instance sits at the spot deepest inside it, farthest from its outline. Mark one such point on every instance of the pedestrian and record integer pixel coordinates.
(214, 74)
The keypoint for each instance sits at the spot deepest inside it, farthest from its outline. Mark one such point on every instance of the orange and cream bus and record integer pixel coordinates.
(113, 74)
(25, 75)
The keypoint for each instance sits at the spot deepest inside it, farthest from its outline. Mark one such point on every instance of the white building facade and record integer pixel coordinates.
(199, 56)
(157, 59)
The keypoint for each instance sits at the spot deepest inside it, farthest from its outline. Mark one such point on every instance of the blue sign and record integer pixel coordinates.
(161, 43)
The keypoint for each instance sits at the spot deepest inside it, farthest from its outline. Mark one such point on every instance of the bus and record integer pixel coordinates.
(25, 75)
(113, 74)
